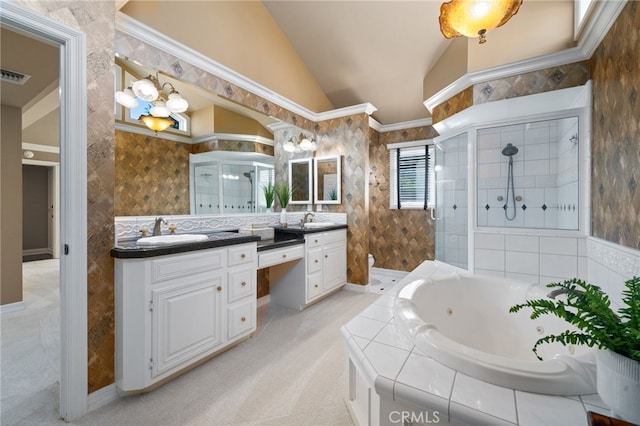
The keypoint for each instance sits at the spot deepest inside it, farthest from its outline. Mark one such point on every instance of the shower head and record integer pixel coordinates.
(247, 175)
(509, 150)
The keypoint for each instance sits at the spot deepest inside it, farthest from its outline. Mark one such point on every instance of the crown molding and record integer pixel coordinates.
(233, 137)
(41, 148)
(127, 25)
(597, 28)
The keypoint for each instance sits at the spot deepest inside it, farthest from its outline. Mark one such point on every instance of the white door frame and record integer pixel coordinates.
(73, 206)
(55, 229)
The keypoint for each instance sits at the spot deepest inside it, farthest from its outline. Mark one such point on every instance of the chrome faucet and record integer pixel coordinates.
(304, 219)
(157, 228)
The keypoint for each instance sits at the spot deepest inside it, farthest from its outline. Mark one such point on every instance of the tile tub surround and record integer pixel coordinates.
(128, 227)
(407, 380)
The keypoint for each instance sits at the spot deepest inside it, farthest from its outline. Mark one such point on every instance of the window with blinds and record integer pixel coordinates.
(412, 183)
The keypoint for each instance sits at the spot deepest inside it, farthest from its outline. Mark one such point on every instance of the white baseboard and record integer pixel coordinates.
(11, 307)
(36, 251)
(358, 288)
(102, 397)
(264, 300)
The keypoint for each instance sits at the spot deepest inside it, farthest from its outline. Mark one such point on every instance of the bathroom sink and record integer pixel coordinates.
(310, 225)
(163, 240)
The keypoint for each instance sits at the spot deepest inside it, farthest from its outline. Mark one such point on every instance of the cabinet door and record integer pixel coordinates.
(334, 266)
(186, 322)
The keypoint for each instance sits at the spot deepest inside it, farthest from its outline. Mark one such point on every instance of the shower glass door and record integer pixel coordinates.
(451, 201)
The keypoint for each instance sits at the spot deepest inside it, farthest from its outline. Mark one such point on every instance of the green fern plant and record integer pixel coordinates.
(588, 308)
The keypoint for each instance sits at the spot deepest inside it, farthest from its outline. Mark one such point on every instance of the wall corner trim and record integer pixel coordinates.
(102, 397)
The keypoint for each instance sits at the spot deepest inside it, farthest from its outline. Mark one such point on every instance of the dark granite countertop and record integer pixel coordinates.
(129, 249)
(298, 230)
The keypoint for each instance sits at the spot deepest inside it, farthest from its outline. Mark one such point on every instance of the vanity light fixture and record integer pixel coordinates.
(300, 143)
(473, 18)
(165, 100)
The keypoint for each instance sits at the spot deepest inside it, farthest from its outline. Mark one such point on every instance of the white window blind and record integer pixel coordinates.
(412, 183)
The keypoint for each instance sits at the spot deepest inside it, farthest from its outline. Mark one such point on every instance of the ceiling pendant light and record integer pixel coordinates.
(473, 18)
(157, 124)
(165, 101)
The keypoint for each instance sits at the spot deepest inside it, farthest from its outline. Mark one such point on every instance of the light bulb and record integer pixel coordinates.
(159, 109)
(126, 98)
(177, 103)
(289, 146)
(145, 90)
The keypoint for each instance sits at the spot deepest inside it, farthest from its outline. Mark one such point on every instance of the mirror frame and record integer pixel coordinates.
(309, 179)
(327, 158)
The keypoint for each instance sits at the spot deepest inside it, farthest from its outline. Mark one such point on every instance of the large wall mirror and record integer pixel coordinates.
(300, 178)
(327, 178)
(154, 174)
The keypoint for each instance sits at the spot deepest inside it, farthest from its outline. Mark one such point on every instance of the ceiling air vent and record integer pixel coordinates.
(13, 76)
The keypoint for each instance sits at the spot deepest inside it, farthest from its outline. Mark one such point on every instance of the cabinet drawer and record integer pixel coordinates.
(239, 255)
(274, 257)
(241, 319)
(182, 265)
(334, 236)
(314, 261)
(314, 286)
(313, 240)
(242, 283)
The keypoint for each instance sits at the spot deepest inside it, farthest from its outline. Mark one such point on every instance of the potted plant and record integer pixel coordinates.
(617, 334)
(269, 191)
(283, 193)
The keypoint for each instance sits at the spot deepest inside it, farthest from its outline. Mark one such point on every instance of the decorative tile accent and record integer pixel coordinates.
(454, 105)
(546, 80)
(615, 70)
(226, 145)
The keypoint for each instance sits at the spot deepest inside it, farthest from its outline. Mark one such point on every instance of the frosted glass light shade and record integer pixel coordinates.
(177, 103)
(306, 144)
(157, 124)
(159, 109)
(127, 98)
(289, 146)
(145, 90)
(473, 18)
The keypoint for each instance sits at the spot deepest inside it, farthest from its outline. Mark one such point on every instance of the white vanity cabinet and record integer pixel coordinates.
(177, 309)
(326, 255)
(322, 271)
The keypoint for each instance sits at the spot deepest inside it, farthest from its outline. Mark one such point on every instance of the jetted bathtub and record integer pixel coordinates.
(463, 322)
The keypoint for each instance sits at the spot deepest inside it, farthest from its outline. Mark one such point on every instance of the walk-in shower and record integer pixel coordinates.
(510, 151)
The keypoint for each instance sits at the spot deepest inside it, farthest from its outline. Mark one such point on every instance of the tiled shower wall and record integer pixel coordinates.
(545, 175)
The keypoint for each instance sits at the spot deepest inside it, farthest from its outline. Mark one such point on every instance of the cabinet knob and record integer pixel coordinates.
(326, 256)
(243, 319)
(242, 256)
(284, 256)
(243, 284)
(316, 260)
(219, 288)
(315, 285)
(315, 241)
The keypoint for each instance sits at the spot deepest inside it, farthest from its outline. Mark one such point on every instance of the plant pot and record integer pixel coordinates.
(618, 380)
(283, 218)
(269, 210)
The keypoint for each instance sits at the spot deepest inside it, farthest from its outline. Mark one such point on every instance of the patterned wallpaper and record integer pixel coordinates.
(398, 239)
(615, 70)
(554, 78)
(151, 175)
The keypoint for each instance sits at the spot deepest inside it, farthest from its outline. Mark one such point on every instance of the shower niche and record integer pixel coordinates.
(528, 175)
(223, 182)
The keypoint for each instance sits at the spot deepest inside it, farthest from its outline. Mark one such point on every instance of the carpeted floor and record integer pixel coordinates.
(292, 372)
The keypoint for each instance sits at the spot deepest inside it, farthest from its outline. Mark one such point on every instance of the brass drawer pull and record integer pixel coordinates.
(243, 284)
(284, 256)
(219, 288)
(315, 285)
(243, 319)
(242, 256)
(316, 261)
(326, 256)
